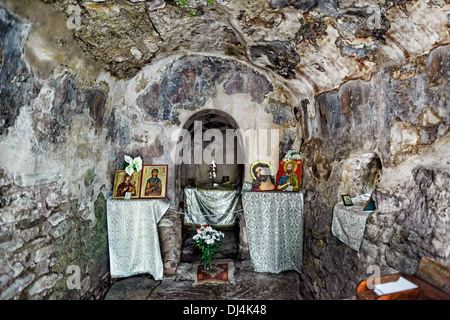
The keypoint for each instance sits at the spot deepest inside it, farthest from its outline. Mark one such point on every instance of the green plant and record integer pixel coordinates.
(192, 11)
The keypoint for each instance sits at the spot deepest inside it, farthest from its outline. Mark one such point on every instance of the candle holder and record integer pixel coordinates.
(213, 174)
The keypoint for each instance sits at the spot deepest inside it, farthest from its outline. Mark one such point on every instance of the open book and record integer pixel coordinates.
(400, 285)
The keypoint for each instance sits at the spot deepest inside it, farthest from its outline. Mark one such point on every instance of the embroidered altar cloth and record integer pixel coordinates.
(349, 222)
(214, 206)
(274, 224)
(133, 236)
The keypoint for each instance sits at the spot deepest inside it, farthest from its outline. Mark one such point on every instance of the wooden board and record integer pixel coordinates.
(435, 274)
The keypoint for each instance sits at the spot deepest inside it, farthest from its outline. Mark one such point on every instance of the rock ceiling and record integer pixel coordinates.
(316, 45)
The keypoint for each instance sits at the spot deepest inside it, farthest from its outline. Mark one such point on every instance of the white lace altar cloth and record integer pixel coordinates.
(133, 236)
(274, 224)
(349, 222)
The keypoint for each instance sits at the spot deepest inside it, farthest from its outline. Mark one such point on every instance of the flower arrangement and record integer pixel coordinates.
(132, 164)
(207, 239)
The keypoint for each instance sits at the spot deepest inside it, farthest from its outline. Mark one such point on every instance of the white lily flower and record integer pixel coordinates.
(138, 163)
(128, 159)
(129, 170)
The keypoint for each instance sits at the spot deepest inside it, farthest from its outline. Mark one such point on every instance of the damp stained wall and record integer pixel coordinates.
(331, 78)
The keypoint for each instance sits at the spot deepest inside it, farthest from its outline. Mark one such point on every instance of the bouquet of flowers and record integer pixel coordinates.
(132, 164)
(207, 239)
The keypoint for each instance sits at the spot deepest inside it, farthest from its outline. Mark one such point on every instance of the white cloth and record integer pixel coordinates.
(133, 236)
(349, 222)
(274, 224)
(215, 207)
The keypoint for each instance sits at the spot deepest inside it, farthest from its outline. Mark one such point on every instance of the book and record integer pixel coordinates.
(396, 286)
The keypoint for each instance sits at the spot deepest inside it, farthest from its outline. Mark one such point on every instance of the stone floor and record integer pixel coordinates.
(245, 284)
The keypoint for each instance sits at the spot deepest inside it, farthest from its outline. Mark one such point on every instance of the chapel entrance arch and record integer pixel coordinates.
(231, 163)
(212, 126)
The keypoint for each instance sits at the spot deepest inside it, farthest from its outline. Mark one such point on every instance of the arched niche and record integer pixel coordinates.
(361, 173)
(205, 126)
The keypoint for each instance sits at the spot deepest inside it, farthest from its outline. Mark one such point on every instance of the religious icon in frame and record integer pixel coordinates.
(347, 200)
(262, 174)
(289, 175)
(126, 186)
(154, 181)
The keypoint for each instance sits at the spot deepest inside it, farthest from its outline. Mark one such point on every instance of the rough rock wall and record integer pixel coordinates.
(335, 77)
(403, 117)
(53, 182)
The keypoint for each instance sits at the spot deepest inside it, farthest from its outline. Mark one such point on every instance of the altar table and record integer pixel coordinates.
(349, 222)
(215, 206)
(274, 224)
(133, 236)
